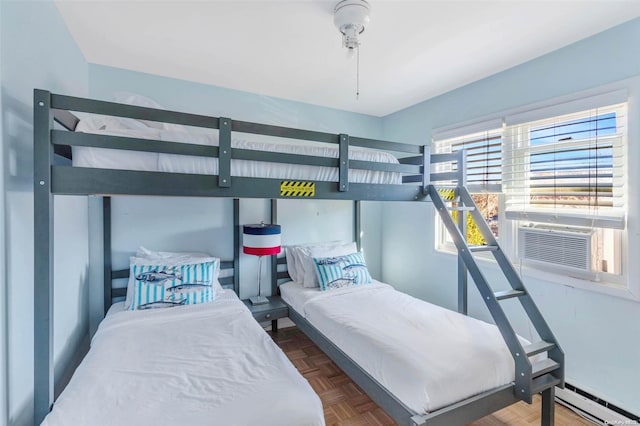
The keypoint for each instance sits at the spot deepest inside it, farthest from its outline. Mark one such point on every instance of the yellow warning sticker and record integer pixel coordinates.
(447, 194)
(293, 188)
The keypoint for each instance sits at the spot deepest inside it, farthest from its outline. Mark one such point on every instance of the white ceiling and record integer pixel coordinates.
(411, 50)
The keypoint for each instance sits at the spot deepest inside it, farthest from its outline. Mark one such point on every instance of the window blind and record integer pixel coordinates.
(568, 169)
(483, 156)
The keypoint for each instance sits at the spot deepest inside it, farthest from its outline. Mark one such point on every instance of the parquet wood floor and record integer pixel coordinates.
(345, 404)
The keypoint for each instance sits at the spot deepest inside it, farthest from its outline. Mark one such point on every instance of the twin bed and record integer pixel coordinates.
(190, 365)
(414, 349)
(212, 363)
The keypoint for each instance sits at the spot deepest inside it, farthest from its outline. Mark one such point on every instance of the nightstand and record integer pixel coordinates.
(272, 310)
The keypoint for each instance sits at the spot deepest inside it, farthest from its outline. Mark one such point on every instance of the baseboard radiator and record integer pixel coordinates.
(593, 408)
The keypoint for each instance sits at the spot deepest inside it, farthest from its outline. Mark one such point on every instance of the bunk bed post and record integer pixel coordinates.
(343, 169)
(357, 224)
(43, 256)
(224, 153)
(426, 168)
(274, 263)
(274, 259)
(236, 245)
(106, 251)
(462, 225)
(548, 406)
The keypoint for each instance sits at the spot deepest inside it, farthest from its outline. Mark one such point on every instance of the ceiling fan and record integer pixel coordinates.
(350, 17)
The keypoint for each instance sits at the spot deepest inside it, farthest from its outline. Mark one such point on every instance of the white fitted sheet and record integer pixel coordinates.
(192, 365)
(427, 356)
(146, 161)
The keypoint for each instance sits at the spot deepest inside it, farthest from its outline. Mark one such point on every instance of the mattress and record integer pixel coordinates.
(427, 356)
(191, 365)
(146, 161)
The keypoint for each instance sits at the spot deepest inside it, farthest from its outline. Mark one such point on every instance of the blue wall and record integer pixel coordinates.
(597, 331)
(36, 51)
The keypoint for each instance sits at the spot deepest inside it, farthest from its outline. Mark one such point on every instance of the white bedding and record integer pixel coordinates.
(148, 161)
(427, 356)
(192, 365)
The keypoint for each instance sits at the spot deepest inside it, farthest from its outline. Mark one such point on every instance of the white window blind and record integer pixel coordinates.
(483, 157)
(568, 169)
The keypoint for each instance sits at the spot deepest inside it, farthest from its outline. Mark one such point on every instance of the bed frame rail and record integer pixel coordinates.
(78, 181)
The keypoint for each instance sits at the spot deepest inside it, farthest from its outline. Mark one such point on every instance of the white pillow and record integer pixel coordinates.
(91, 122)
(294, 254)
(298, 254)
(142, 101)
(152, 254)
(167, 258)
(326, 250)
(291, 256)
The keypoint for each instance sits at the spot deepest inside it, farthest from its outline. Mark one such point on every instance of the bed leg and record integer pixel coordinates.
(548, 406)
(274, 326)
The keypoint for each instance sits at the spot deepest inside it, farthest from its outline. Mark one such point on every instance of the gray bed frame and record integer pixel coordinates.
(53, 176)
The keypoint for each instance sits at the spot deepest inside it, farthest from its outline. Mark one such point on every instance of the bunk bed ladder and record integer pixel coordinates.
(531, 376)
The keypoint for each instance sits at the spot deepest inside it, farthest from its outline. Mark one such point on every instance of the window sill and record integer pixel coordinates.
(622, 290)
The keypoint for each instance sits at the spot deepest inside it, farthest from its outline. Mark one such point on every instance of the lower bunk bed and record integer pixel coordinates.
(188, 364)
(423, 364)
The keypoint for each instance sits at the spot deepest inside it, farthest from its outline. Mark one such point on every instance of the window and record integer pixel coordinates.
(483, 176)
(551, 184)
(564, 187)
(568, 169)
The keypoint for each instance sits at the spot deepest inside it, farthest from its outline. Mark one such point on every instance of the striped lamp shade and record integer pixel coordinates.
(261, 239)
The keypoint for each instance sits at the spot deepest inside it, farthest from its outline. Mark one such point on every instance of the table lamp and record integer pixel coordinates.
(260, 240)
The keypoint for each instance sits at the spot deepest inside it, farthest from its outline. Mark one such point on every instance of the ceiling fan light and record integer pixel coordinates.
(351, 16)
(351, 52)
(350, 36)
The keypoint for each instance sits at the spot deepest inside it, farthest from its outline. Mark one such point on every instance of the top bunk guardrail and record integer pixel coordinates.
(408, 182)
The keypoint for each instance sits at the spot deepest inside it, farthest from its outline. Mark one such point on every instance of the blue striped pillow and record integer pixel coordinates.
(161, 286)
(341, 271)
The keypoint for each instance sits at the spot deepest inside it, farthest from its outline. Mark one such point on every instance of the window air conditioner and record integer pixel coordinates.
(561, 246)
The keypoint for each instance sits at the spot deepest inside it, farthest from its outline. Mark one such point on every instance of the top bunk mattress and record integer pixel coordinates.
(189, 365)
(158, 162)
(427, 356)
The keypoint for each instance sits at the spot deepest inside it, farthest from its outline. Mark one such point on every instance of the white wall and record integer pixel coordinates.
(599, 333)
(206, 223)
(37, 52)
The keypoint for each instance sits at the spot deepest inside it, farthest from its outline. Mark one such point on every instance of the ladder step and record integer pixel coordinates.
(483, 248)
(543, 367)
(462, 208)
(538, 347)
(544, 382)
(508, 294)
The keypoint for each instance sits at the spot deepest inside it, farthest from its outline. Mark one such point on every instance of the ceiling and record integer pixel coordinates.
(411, 51)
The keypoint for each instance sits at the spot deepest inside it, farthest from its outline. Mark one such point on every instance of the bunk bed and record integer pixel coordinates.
(348, 171)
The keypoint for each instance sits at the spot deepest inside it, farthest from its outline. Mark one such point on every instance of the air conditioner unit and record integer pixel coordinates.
(561, 246)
